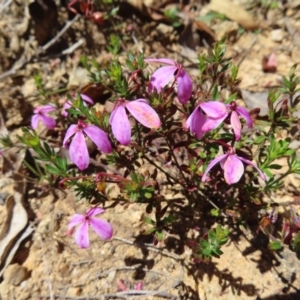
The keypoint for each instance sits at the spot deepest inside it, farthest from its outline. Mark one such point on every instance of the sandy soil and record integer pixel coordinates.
(48, 264)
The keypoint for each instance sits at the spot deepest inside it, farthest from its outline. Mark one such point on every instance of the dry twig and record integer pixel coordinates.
(23, 60)
(123, 295)
(101, 274)
(58, 36)
(150, 247)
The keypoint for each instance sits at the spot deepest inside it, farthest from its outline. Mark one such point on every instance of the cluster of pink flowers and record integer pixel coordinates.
(215, 113)
(206, 117)
(42, 113)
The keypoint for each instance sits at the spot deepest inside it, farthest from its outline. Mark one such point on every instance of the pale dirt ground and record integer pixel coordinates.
(55, 268)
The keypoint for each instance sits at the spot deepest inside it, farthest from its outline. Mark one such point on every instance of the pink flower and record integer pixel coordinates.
(140, 110)
(41, 114)
(79, 154)
(161, 77)
(139, 286)
(123, 287)
(101, 227)
(217, 112)
(195, 122)
(233, 167)
(86, 99)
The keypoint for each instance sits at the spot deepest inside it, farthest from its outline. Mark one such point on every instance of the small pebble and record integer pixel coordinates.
(277, 35)
(15, 274)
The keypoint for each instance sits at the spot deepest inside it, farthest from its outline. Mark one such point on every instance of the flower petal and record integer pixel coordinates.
(66, 106)
(195, 122)
(166, 61)
(82, 235)
(99, 137)
(161, 77)
(211, 123)
(214, 109)
(94, 211)
(139, 286)
(245, 114)
(87, 99)
(49, 122)
(144, 113)
(75, 220)
(71, 130)
(35, 121)
(120, 125)
(78, 151)
(261, 173)
(236, 125)
(233, 169)
(184, 87)
(102, 228)
(216, 112)
(44, 109)
(212, 164)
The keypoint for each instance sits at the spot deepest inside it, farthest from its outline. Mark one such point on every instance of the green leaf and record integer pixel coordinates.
(150, 230)
(296, 243)
(286, 82)
(114, 10)
(273, 96)
(148, 195)
(205, 243)
(207, 251)
(275, 245)
(215, 212)
(141, 62)
(171, 14)
(202, 64)
(260, 139)
(131, 57)
(231, 98)
(114, 44)
(134, 177)
(268, 172)
(222, 233)
(211, 235)
(289, 152)
(62, 163)
(275, 166)
(234, 73)
(52, 169)
(159, 236)
(149, 221)
(217, 251)
(215, 92)
(30, 138)
(212, 16)
(169, 220)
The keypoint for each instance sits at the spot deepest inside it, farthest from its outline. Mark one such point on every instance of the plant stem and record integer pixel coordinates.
(263, 142)
(176, 161)
(282, 176)
(159, 168)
